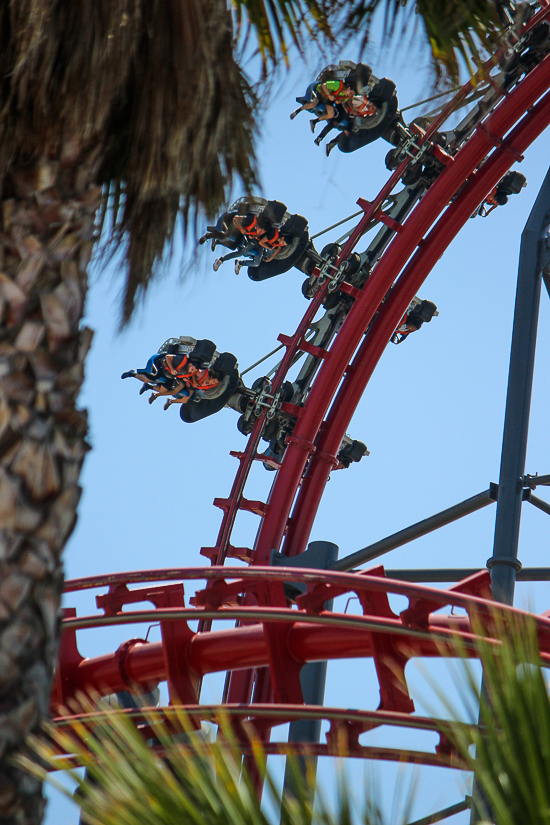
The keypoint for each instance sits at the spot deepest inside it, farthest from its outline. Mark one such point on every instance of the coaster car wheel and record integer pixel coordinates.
(331, 251)
(245, 424)
(353, 264)
(309, 289)
(412, 175)
(287, 391)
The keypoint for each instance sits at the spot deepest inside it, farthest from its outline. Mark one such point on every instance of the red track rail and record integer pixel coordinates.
(280, 637)
(436, 200)
(429, 251)
(490, 145)
(342, 738)
(283, 639)
(307, 445)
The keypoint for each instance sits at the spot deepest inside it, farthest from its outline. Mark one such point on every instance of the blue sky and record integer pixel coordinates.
(431, 416)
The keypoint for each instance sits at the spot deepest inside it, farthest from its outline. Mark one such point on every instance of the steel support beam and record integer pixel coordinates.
(534, 245)
(444, 814)
(320, 555)
(456, 574)
(421, 528)
(536, 501)
(536, 481)
(504, 563)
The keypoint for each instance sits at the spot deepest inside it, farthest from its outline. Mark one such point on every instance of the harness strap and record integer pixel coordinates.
(364, 108)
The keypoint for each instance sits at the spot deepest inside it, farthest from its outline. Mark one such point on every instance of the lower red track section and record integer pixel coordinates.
(272, 640)
(282, 639)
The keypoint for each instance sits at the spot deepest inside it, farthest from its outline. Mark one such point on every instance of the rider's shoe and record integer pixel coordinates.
(313, 124)
(217, 263)
(270, 454)
(238, 267)
(330, 146)
(129, 374)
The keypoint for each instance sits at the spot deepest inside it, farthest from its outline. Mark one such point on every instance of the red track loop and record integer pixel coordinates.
(317, 450)
(390, 265)
(392, 310)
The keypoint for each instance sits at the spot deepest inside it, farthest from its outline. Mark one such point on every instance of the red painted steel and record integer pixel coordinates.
(342, 738)
(245, 463)
(306, 634)
(392, 310)
(419, 222)
(372, 210)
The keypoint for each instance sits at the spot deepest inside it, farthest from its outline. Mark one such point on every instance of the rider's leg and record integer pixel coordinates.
(256, 256)
(322, 135)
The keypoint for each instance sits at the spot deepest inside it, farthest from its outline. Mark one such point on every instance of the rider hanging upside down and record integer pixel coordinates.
(174, 375)
(261, 235)
(511, 184)
(263, 241)
(188, 370)
(354, 101)
(253, 233)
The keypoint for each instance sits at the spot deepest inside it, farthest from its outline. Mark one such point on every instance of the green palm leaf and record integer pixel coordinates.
(457, 32)
(512, 743)
(184, 779)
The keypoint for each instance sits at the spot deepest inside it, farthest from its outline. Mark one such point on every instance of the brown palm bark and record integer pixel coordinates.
(47, 234)
(140, 101)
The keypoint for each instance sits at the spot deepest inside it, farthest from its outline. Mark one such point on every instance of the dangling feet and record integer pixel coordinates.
(330, 146)
(217, 263)
(238, 266)
(313, 124)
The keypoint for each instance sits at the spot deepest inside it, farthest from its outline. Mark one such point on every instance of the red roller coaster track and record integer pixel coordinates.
(269, 633)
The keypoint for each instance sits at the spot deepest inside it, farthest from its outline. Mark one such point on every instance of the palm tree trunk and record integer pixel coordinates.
(46, 238)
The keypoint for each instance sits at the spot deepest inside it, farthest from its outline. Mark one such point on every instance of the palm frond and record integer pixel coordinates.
(150, 91)
(279, 23)
(149, 94)
(182, 778)
(457, 32)
(512, 742)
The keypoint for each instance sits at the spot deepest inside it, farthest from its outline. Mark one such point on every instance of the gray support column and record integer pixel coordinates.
(319, 555)
(504, 562)
(534, 248)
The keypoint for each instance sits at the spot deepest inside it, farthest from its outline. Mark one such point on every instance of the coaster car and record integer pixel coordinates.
(221, 370)
(264, 261)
